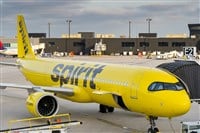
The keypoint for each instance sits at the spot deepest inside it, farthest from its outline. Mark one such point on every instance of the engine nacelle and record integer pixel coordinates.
(42, 104)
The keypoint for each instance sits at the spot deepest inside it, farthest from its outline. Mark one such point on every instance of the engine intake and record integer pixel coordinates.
(42, 104)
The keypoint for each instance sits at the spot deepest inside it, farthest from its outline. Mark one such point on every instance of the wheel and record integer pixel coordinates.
(155, 130)
(102, 108)
(110, 109)
(150, 130)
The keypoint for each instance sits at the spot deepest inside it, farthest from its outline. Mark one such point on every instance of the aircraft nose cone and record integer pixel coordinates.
(182, 107)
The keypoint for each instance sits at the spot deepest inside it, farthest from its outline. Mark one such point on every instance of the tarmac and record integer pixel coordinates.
(12, 103)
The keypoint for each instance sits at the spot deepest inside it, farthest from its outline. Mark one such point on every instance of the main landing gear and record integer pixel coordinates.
(153, 128)
(105, 109)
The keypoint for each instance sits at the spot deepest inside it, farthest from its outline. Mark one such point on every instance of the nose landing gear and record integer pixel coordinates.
(105, 109)
(153, 128)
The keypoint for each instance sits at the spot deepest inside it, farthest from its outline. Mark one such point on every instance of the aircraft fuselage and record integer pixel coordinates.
(120, 86)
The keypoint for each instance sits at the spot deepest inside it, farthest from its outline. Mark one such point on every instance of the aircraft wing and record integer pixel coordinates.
(9, 51)
(67, 90)
(100, 92)
(9, 64)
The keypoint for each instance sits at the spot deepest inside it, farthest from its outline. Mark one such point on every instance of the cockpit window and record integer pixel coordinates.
(157, 86)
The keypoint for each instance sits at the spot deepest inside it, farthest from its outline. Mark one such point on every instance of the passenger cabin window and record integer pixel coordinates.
(6, 44)
(157, 86)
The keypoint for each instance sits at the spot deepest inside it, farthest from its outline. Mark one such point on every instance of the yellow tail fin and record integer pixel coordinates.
(24, 46)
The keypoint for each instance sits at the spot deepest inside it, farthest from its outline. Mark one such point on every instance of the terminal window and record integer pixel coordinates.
(144, 44)
(128, 44)
(163, 44)
(52, 43)
(78, 44)
(178, 44)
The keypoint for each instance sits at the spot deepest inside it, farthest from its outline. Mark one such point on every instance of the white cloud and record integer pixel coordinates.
(100, 15)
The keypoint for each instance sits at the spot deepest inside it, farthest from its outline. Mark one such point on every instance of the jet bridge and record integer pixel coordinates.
(189, 72)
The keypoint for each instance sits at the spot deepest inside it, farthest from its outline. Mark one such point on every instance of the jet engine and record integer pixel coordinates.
(42, 104)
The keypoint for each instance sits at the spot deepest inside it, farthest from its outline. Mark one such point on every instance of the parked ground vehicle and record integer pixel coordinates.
(191, 127)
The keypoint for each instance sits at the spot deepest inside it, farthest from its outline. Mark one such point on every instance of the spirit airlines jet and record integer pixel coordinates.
(149, 91)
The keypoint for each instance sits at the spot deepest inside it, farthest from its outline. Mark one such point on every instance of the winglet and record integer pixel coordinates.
(24, 46)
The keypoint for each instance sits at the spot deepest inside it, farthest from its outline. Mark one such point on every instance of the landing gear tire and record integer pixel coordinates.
(156, 130)
(153, 128)
(150, 130)
(105, 109)
(102, 108)
(110, 109)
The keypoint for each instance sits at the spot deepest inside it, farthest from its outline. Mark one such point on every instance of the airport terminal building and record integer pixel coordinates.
(85, 42)
(118, 45)
(149, 42)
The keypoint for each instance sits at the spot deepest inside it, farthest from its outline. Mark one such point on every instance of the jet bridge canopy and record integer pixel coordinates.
(189, 72)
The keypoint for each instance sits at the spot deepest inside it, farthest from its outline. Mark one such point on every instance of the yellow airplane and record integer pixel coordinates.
(150, 91)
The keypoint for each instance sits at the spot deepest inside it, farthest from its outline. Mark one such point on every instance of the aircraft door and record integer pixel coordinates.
(135, 86)
(134, 89)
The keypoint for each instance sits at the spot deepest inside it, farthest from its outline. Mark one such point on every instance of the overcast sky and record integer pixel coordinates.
(100, 16)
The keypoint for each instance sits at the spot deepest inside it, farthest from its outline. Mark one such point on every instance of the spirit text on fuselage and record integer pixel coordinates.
(70, 74)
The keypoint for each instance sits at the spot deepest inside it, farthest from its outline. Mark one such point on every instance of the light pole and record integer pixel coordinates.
(148, 20)
(49, 29)
(129, 28)
(69, 22)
